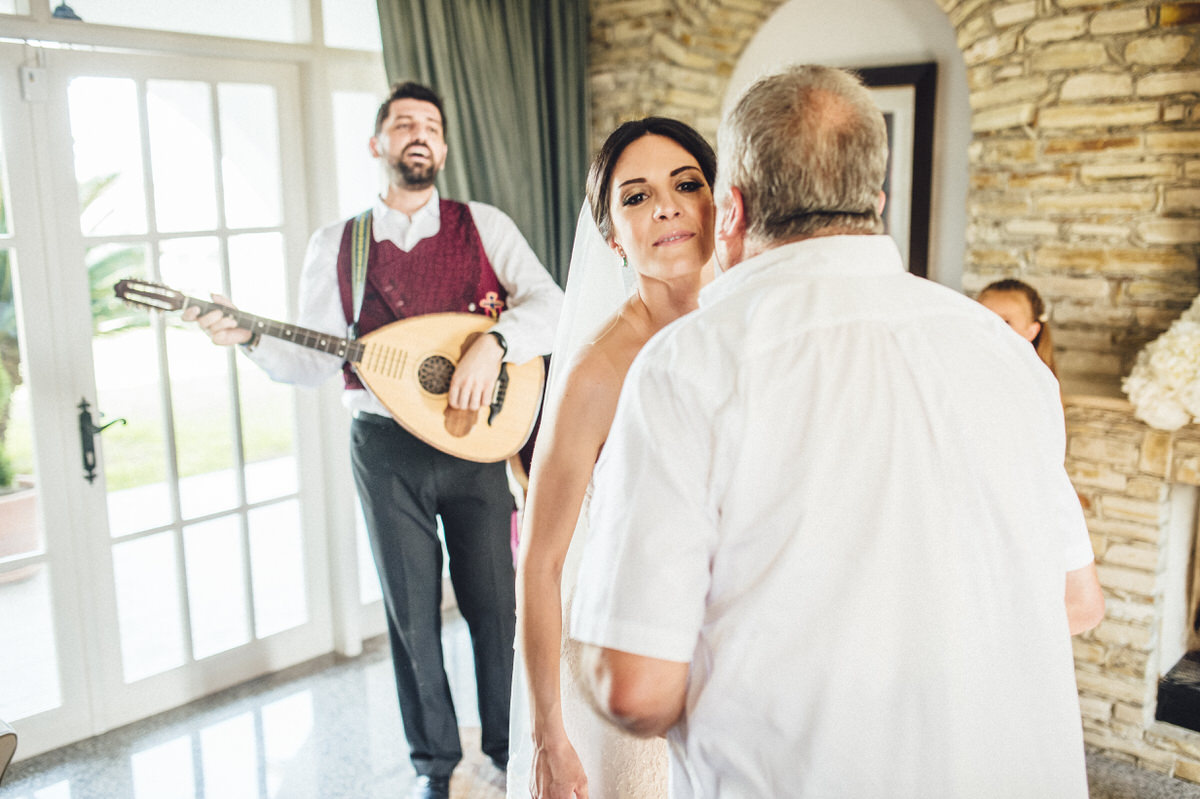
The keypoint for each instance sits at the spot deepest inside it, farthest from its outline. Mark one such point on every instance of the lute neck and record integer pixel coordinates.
(343, 348)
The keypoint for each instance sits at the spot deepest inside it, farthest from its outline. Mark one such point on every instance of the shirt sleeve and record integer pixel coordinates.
(534, 299)
(645, 571)
(1067, 509)
(1065, 506)
(1077, 544)
(320, 309)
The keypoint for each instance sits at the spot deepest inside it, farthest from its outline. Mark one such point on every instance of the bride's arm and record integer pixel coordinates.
(562, 469)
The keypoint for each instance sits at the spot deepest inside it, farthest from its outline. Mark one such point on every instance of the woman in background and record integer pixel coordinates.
(1019, 304)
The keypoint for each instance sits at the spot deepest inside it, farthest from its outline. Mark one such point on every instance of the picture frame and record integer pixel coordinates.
(906, 94)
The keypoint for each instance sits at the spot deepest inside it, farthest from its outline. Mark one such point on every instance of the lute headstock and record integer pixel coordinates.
(151, 295)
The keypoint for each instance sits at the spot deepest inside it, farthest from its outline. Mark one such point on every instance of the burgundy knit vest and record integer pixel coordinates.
(446, 272)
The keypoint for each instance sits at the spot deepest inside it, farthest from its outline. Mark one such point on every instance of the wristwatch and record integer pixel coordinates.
(500, 339)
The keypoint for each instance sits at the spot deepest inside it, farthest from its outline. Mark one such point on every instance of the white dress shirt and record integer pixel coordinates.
(838, 491)
(527, 324)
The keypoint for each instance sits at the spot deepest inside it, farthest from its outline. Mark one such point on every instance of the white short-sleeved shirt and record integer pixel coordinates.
(528, 325)
(838, 490)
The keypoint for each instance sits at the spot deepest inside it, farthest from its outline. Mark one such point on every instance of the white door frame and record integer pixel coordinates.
(37, 141)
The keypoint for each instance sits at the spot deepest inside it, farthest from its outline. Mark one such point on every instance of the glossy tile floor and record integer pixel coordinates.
(326, 729)
(329, 729)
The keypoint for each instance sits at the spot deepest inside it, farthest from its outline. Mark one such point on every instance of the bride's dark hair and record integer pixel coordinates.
(600, 173)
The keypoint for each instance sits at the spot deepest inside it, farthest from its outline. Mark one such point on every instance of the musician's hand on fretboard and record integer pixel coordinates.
(219, 325)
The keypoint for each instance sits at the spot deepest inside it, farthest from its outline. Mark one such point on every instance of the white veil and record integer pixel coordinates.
(597, 286)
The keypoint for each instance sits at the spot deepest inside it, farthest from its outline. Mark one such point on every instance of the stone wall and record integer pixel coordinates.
(1085, 180)
(667, 58)
(1085, 167)
(1136, 486)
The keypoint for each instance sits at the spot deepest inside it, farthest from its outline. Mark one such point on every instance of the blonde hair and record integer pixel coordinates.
(1042, 342)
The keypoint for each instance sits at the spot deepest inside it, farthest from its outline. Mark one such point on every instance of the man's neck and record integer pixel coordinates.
(756, 247)
(405, 200)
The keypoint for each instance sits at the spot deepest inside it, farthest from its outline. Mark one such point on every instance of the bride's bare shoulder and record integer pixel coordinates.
(595, 375)
(602, 364)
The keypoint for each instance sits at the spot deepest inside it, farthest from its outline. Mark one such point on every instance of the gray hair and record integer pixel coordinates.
(807, 148)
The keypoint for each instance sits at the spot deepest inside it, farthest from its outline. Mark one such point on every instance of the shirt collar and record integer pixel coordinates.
(382, 208)
(822, 257)
(398, 228)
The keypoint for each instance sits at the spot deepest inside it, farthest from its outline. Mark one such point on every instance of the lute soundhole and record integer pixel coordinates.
(434, 374)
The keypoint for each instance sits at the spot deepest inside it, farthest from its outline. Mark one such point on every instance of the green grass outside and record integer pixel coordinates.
(135, 454)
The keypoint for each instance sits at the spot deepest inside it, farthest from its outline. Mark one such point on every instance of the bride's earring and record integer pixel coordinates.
(624, 260)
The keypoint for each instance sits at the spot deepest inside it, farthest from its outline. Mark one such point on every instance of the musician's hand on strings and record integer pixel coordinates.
(220, 327)
(475, 375)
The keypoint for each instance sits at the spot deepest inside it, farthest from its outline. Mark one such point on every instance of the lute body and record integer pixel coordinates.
(407, 365)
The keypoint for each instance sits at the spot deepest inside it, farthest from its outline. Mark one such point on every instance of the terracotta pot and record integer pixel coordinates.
(19, 527)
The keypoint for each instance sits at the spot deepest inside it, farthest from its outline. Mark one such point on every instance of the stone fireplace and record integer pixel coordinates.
(1084, 179)
(1140, 490)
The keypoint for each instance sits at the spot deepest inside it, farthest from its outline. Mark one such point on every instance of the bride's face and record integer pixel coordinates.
(662, 209)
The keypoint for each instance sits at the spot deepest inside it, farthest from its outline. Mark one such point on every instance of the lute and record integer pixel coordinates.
(407, 364)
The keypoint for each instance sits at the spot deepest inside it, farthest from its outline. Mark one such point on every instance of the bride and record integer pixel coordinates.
(650, 192)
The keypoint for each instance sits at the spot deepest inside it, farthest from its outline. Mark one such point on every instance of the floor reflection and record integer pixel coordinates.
(331, 729)
(327, 729)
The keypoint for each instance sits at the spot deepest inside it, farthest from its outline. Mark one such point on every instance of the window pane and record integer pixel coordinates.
(29, 668)
(148, 608)
(359, 177)
(4, 228)
(192, 265)
(181, 152)
(134, 454)
(204, 443)
(268, 417)
(257, 277)
(353, 24)
(20, 531)
(20, 527)
(268, 20)
(200, 385)
(108, 160)
(277, 566)
(249, 155)
(216, 582)
(270, 462)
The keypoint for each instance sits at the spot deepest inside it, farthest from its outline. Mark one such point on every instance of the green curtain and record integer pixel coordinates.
(512, 76)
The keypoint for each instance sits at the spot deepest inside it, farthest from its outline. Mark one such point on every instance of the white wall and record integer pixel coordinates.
(875, 33)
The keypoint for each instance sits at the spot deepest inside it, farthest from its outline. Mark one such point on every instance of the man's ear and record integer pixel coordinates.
(882, 202)
(731, 230)
(732, 222)
(373, 145)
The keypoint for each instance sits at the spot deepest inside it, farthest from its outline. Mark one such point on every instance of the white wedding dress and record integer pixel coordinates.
(617, 765)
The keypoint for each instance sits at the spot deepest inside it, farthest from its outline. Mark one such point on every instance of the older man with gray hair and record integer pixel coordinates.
(834, 551)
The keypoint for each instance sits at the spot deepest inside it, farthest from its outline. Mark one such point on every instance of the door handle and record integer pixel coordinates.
(87, 438)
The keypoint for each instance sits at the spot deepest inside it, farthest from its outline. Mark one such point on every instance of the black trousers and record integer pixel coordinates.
(403, 485)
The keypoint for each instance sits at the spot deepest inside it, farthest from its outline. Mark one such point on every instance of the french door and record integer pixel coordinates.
(170, 545)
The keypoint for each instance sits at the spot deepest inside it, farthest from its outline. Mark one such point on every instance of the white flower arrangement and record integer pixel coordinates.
(1164, 385)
